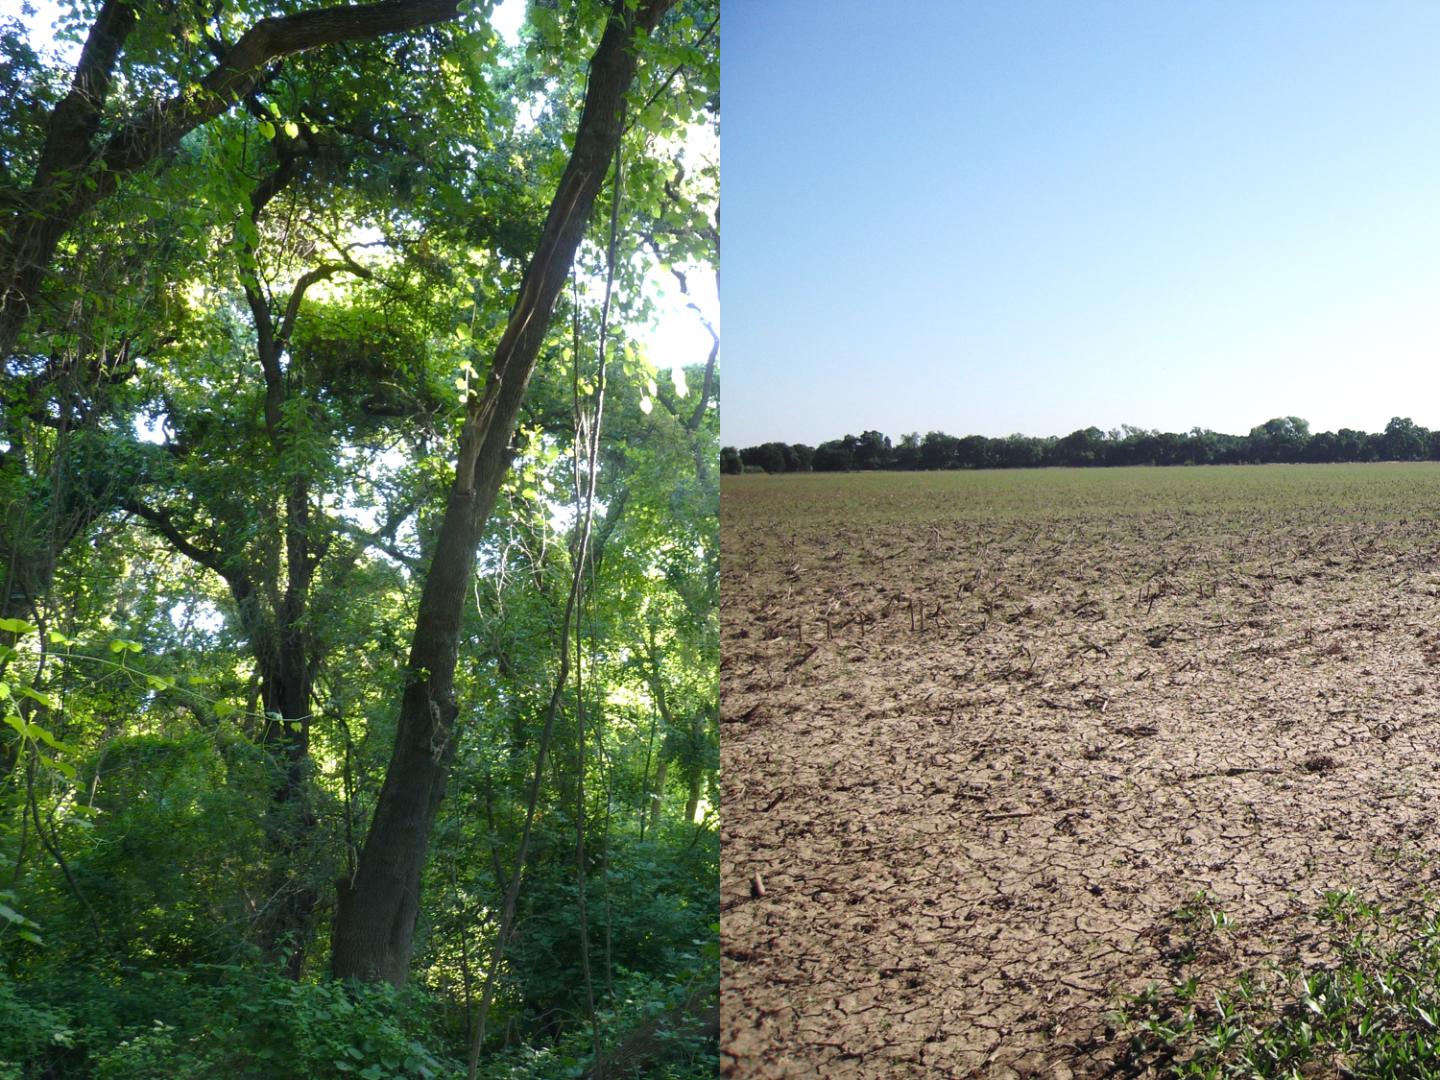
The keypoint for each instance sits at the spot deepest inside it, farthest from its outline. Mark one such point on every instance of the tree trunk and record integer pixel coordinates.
(285, 928)
(274, 624)
(692, 802)
(286, 686)
(657, 799)
(375, 919)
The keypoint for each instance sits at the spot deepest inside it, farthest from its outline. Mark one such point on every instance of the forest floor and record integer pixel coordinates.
(1141, 731)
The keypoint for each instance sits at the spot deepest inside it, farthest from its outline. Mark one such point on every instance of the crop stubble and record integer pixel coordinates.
(949, 847)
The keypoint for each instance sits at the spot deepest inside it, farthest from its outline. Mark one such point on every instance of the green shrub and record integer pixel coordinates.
(29, 1030)
(219, 1021)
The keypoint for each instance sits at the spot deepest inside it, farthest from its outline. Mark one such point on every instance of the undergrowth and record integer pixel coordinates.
(1371, 1009)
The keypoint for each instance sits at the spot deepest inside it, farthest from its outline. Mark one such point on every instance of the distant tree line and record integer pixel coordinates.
(1283, 439)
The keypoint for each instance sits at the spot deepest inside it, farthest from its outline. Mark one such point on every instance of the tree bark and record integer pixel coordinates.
(657, 795)
(73, 174)
(287, 928)
(692, 800)
(375, 920)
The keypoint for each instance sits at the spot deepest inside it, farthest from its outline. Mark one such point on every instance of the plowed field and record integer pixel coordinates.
(994, 744)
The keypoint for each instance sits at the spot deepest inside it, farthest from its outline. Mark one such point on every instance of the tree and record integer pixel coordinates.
(73, 172)
(837, 455)
(799, 457)
(872, 451)
(938, 450)
(1324, 446)
(973, 452)
(1404, 440)
(1085, 447)
(229, 425)
(375, 922)
(1280, 439)
(768, 456)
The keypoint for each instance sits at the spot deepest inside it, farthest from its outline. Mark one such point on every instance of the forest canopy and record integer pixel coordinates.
(358, 634)
(1281, 439)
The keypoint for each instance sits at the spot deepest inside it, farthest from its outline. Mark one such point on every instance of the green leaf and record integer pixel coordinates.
(16, 626)
(267, 129)
(37, 732)
(224, 709)
(292, 129)
(30, 935)
(65, 770)
(39, 696)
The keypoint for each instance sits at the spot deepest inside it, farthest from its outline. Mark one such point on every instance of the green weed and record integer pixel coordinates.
(1373, 1010)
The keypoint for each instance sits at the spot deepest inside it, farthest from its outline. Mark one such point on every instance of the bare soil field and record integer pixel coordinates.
(999, 749)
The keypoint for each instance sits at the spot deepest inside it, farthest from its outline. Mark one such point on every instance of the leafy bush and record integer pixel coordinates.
(659, 902)
(657, 1029)
(222, 1021)
(29, 1029)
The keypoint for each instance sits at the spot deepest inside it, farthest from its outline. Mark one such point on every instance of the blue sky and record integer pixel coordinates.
(990, 217)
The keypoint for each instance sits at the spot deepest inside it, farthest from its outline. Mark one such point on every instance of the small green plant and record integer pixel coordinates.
(1203, 911)
(1374, 1011)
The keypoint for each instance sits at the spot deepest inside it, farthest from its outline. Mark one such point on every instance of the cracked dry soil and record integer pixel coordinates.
(972, 835)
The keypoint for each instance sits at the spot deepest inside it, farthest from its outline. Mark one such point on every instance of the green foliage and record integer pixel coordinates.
(651, 1030)
(31, 1029)
(204, 1021)
(652, 909)
(1282, 439)
(1372, 1011)
(192, 520)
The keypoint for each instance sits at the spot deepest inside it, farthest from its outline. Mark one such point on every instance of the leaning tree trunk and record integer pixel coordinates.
(375, 918)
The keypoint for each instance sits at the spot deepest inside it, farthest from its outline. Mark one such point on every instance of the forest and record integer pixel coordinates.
(1281, 439)
(358, 633)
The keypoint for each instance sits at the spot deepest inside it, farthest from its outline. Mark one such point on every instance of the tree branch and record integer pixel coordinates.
(269, 354)
(76, 117)
(236, 74)
(74, 176)
(310, 277)
(379, 543)
(162, 523)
